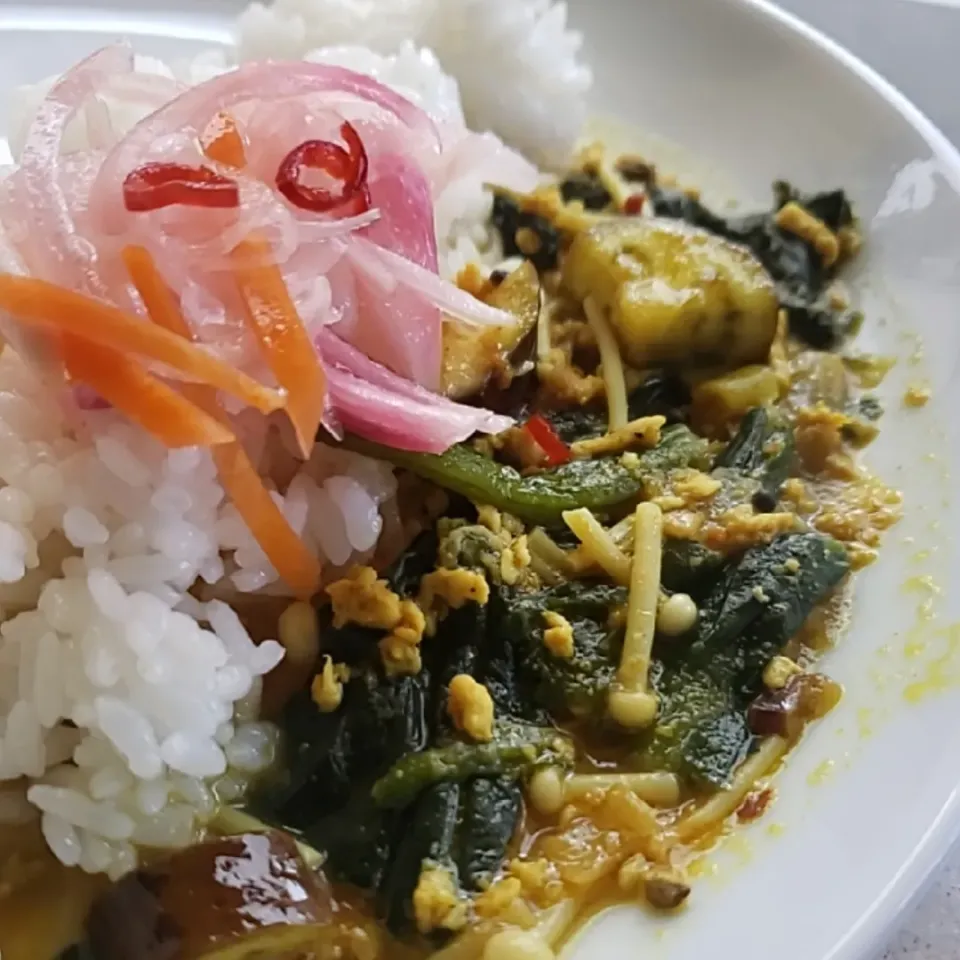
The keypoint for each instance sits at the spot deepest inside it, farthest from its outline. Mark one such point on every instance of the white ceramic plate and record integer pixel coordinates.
(868, 805)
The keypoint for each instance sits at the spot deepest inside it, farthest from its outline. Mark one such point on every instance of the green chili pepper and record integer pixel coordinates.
(517, 750)
(600, 485)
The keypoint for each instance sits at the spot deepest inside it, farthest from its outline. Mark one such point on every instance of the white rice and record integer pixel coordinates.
(128, 708)
(515, 61)
(100, 540)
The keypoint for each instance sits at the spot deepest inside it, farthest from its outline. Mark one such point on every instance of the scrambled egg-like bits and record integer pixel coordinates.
(497, 897)
(856, 515)
(436, 905)
(327, 687)
(412, 623)
(471, 279)
(399, 659)
(779, 671)
(490, 517)
(819, 436)
(822, 437)
(471, 707)
(685, 489)
(797, 220)
(566, 382)
(692, 485)
(643, 432)
(558, 635)
(363, 599)
(740, 528)
(455, 587)
(796, 493)
(514, 560)
(508, 558)
(445, 590)
(400, 649)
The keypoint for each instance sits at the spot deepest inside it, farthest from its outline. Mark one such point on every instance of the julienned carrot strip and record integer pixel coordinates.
(284, 341)
(279, 541)
(148, 401)
(154, 292)
(37, 303)
(298, 567)
(295, 564)
(271, 314)
(270, 311)
(222, 142)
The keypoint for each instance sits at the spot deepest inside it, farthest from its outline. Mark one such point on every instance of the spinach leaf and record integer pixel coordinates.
(762, 601)
(416, 798)
(587, 188)
(326, 754)
(464, 828)
(701, 732)
(687, 566)
(490, 811)
(832, 206)
(428, 835)
(331, 759)
(503, 668)
(869, 408)
(515, 751)
(490, 805)
(461, 803)
(763, 450)
(706, 685)
(660, 394)
(574, 686)
(358, 840)
(508, 219)
(755, 464)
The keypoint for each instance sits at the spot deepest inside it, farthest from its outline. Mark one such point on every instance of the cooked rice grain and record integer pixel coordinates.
(102, 534)
(112, 547)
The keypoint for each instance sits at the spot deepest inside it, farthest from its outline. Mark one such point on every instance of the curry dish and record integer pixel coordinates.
(589, 639)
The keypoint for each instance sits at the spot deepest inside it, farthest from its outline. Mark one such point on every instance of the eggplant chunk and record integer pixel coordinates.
(472, 354)
(234, 898)
(676, 295)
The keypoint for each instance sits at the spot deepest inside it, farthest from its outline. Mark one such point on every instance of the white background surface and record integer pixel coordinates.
(915, 45)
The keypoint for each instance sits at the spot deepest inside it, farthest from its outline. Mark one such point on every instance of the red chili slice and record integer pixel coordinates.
(156, 185)
(546, 437)
(358, 203)
(348, 166)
